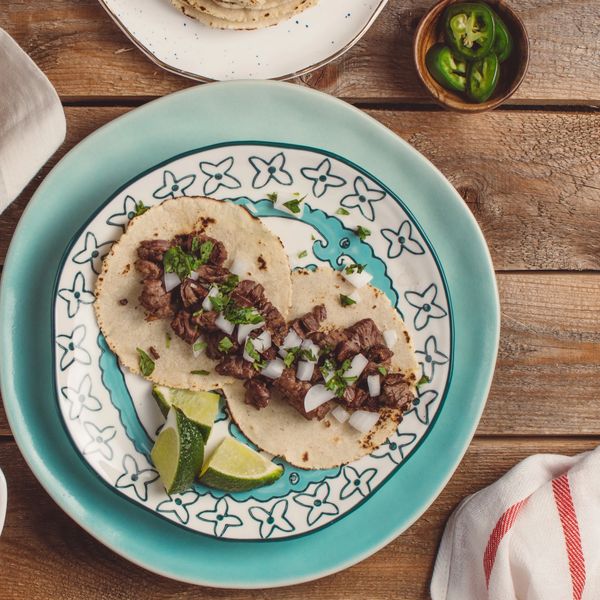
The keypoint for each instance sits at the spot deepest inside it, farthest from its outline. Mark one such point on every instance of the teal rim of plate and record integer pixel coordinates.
(319, 151)
(150, 134)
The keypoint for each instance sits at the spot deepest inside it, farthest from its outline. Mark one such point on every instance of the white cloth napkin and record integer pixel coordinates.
(532, 535)
(32, 121)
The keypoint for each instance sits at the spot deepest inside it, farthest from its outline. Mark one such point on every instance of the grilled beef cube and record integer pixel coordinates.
(258, 393)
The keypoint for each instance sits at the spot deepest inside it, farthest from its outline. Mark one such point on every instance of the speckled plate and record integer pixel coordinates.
(85, 426)
(299, 45)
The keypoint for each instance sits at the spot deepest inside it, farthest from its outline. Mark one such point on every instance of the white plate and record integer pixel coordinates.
(183, 46)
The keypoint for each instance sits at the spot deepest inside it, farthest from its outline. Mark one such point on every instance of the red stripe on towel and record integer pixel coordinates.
(570, 527)
(505, 522)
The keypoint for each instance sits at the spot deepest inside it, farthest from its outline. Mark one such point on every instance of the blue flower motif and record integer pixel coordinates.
(77, 295)
(92, 252)
(121, 219)
(422, 405)
(317, 503)
(356, 482)
(425, 305)
(401, 240)
(179, 505)
(273, 519)
(363, 198)
(393, 450)
(431, 357)
(220, 517)
(322, 177)
(270, 170)
(218, 176)
(72, 350)
(99, 440)
(137, 478)
(172, 186)
(80, 399)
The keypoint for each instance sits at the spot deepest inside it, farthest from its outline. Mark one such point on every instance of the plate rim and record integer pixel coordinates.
(69, 505)
(203, 79)
(274, 145)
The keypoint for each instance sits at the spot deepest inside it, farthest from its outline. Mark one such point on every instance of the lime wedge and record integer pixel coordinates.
(178, 452)
(199, 407)
(233, 467)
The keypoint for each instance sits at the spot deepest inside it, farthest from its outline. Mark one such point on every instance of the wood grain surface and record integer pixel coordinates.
(86, 56)
(546, 379)
(531, 178)
(45, 555)
(530, 173)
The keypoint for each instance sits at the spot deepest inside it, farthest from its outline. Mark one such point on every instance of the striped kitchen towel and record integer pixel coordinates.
(532, 535)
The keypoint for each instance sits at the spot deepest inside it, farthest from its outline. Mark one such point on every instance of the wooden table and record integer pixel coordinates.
(529, 172)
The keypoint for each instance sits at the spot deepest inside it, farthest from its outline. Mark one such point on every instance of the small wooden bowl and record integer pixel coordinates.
(430, 31)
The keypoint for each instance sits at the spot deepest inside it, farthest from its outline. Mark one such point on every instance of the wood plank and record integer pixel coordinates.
(546, 378)
(72, 559)
(82, 51)
(531, 179)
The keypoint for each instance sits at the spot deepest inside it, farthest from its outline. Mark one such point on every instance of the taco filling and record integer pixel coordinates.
(311, 365)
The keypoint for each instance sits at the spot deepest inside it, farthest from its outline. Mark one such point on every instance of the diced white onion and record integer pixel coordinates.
(363, 420)
(355, 296)
(358, 280)
(244, 331)
(224, 325)
(317, 395)
(274, 369)
(311, 347)
(340, 413)
(239, 267)
(262, 342)
(206, 303)
(292, 339)
(195, 351)
(390, 337)
(357, 366)
(171, 281)
(374, 383)
(329, 375)
(305, 370)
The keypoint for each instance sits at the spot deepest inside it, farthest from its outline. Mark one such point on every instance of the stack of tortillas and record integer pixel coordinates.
(242, 14)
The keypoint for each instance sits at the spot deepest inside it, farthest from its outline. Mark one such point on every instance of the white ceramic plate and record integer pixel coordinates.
(183, 46)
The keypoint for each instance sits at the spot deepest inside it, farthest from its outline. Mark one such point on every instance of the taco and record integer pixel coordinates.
(337, 387)
(174, 288)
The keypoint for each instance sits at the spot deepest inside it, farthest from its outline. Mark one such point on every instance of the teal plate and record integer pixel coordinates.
(140, 143)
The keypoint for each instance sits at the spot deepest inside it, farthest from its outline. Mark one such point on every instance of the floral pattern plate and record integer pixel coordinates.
(184, 46)
(109, 413)
(85, 427)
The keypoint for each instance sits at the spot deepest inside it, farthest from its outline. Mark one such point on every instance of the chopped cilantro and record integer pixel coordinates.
(302, 254)
(342, 211)
(199, 346)
(355, 267)
(200, 372)
(252, 352)
(339, 381)
(140, 208)
(225, 345)
(424, 379)
(230, 284)
(206, 249)
(145, 362)
(291, 354)
(308, 355)
(363, 232)
(241, 315)
(272, 196)
(197, 313)
(346, 300)
(382, 370)
(176, 260)
(168, 341)
(294, 205)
